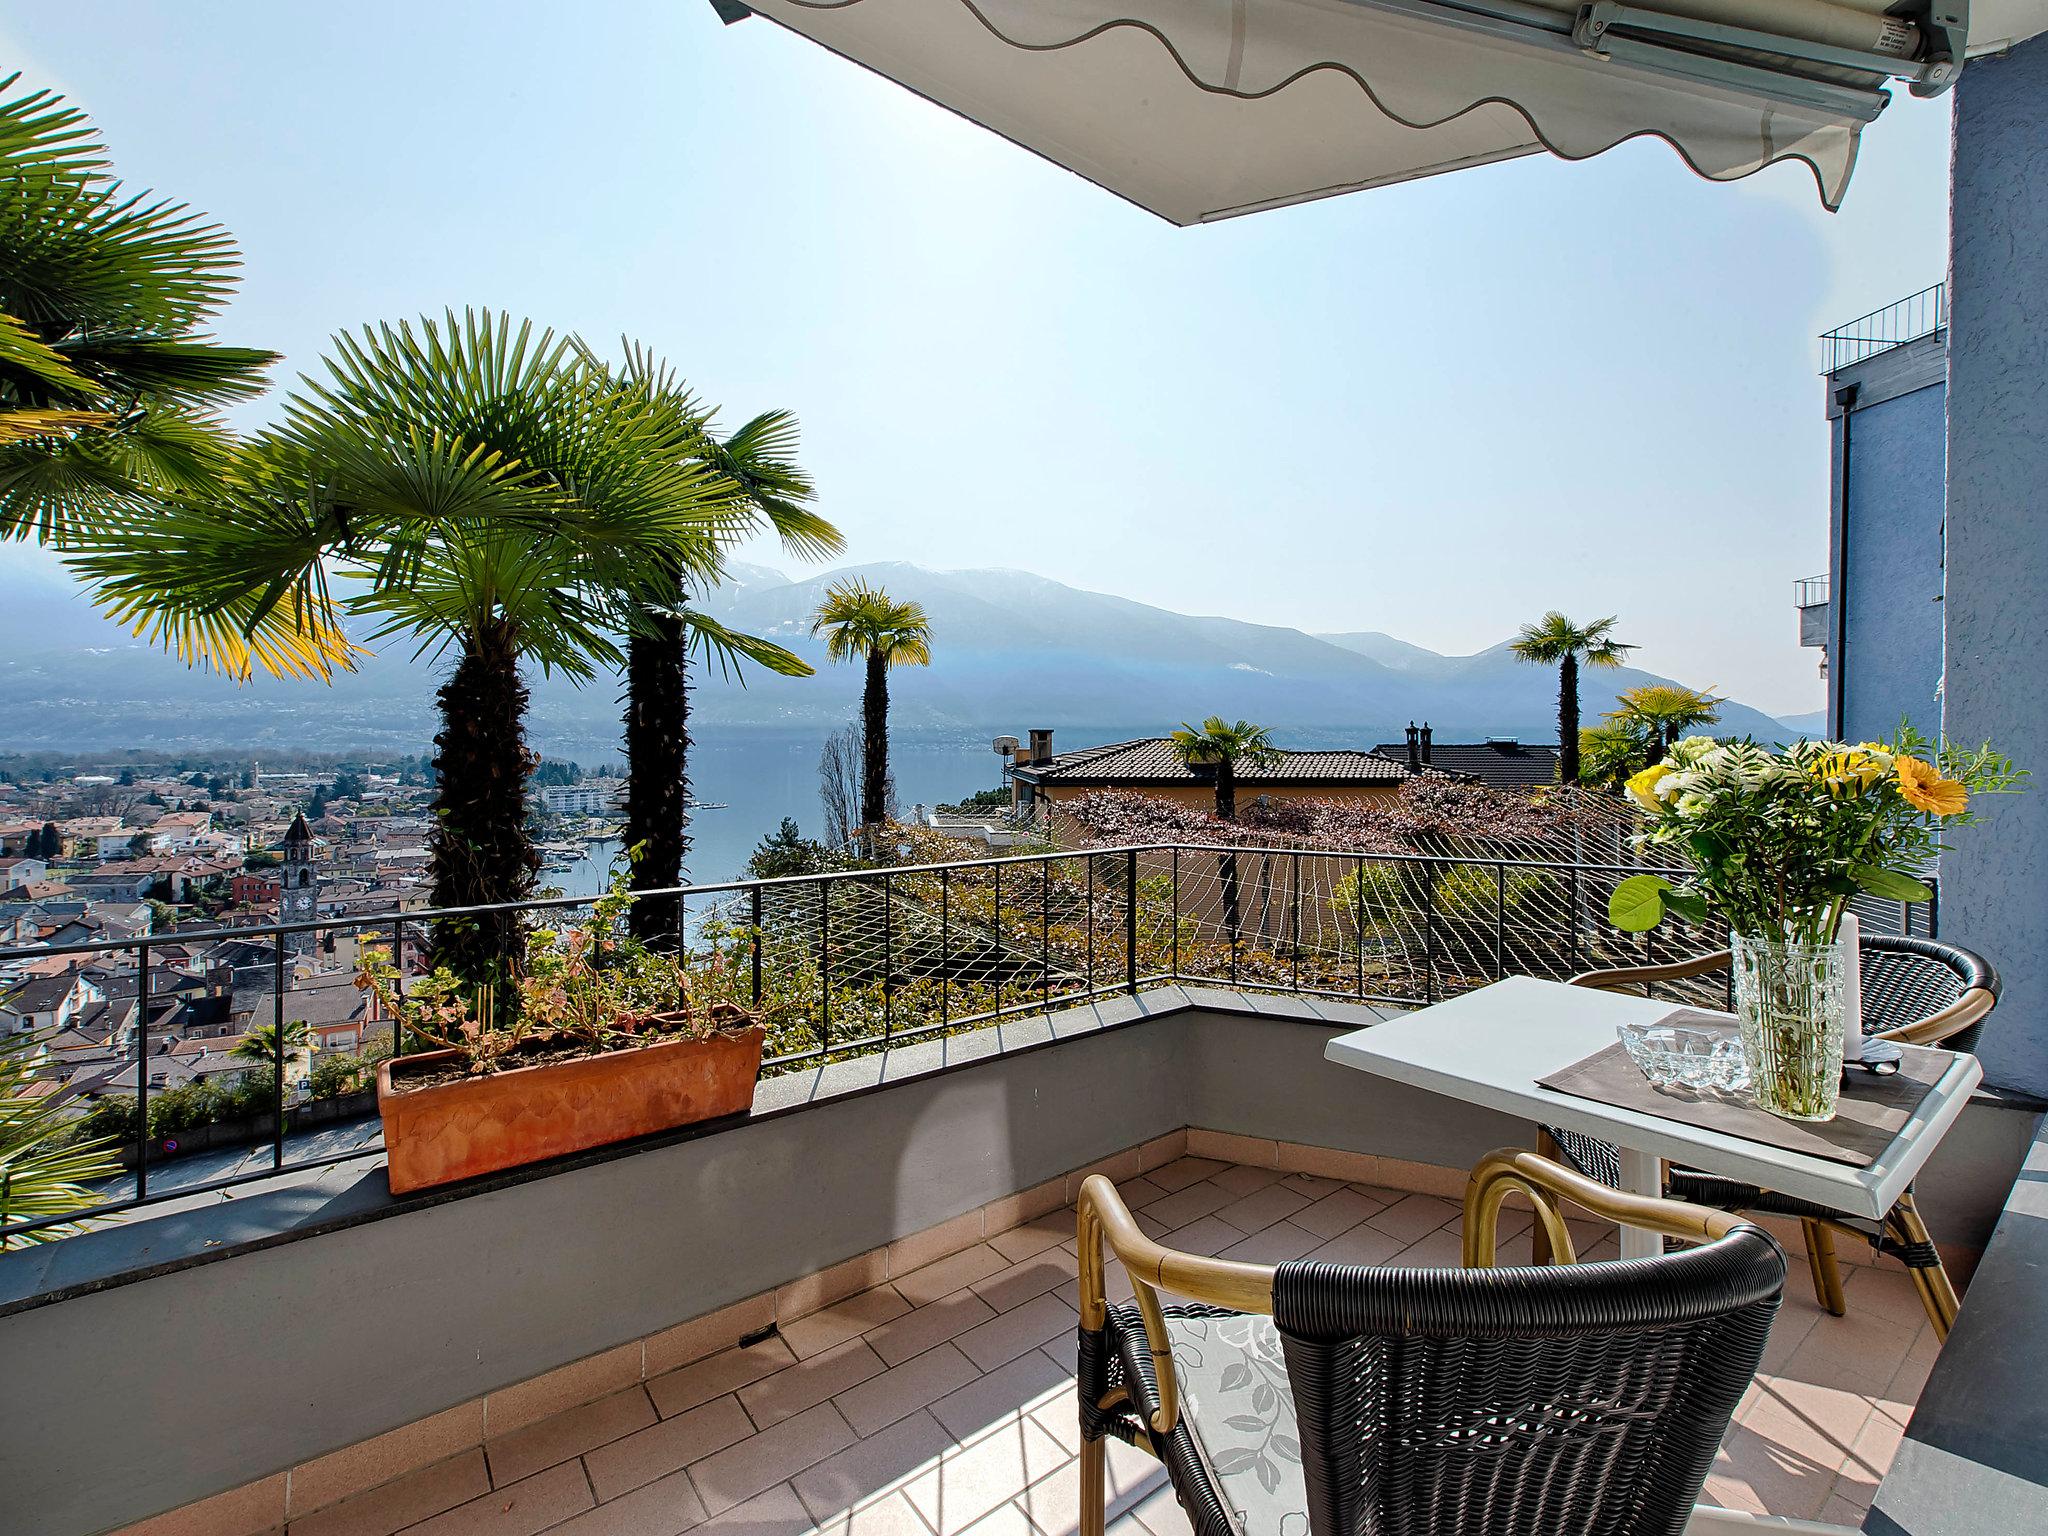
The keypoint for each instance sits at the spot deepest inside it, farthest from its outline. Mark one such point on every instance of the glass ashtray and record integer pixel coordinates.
(1680, 1056)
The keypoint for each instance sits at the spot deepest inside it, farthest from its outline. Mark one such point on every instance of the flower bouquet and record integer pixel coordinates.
(1778, 841)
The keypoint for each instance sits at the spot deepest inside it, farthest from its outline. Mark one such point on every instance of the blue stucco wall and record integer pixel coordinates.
(1995, 885)
(1889, 656)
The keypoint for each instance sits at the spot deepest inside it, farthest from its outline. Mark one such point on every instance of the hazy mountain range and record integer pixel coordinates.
(1011, 651)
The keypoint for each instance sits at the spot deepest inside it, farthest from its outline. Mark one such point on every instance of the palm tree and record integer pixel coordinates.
(477, 487)
(1223, 747)
(108, 383)
(1555, 641)
(1663, 712)
(261, 1045)
(1608, 754)
(765, 486)
(43, 1172)
(863, 622)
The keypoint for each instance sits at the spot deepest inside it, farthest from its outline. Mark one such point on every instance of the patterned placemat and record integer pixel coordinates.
(1872, 1112)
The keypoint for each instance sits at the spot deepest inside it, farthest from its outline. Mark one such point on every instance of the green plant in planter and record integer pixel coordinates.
(591, 983)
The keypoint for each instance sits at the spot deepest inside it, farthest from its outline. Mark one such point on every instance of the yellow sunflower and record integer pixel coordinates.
(1924, 787)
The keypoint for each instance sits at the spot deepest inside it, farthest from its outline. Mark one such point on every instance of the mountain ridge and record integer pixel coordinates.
(1011, 650)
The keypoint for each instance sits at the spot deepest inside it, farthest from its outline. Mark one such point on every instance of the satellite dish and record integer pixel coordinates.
(1006, 746)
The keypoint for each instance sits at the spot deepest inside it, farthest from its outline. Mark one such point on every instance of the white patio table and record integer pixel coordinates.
(1490, 1047)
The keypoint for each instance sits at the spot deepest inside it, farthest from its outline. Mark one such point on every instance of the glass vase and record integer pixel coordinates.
(1788, 1001)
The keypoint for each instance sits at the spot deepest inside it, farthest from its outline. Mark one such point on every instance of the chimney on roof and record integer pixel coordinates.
(1425, 742)
(1041, 747)
(1414, 748)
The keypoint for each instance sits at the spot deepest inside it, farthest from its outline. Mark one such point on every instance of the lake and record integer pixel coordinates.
(757, 776)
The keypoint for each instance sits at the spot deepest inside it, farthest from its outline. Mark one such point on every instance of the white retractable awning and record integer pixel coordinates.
(1202, 109)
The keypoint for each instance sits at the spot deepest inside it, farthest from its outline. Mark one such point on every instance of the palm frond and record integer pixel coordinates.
(41, 136)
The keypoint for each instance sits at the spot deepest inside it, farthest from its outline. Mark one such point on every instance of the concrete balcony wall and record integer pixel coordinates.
(153, 1392)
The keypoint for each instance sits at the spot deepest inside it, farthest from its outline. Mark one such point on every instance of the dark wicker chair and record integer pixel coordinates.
(1333, 1400)
(1915, 991)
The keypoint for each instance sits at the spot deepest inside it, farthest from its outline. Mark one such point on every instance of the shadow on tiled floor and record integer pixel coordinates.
(942, 1402)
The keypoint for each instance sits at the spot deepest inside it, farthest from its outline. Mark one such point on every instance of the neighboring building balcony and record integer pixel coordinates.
(1906, 320)
(1810, 597)
(852, 1309)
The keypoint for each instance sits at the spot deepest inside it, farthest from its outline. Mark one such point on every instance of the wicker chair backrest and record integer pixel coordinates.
(1905, 980)
(1521, 1402)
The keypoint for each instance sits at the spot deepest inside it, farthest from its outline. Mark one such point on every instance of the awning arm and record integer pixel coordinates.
(1930, 56)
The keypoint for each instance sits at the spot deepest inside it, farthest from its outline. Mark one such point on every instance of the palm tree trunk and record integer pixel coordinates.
(1568, 720)
(874, 724)
(479, 851)
(1226, 791)
(657, 831)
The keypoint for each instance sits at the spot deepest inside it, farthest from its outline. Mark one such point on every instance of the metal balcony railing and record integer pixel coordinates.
(1918, 314)
(1810, 592)
(856, 961)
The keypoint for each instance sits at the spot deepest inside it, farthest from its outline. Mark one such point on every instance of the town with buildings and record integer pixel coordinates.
(95, 861)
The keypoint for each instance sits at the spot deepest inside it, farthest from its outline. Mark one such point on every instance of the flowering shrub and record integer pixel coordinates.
(1428, 815)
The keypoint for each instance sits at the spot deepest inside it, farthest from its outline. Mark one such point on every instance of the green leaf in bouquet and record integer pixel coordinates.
(1684, 904)
(1637, 904)
(1889, 884)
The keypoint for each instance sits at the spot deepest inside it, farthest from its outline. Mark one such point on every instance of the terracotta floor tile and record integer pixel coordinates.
(715, 1375)
(568, 1434)
(1438, 1250)
(945, 1276)
(891, 1515)
(1034, 1276)
(1310, 1186)
(775, 1511)
(843, 1320)
(1274, 1245)
(972, 1480)
(872, 1465)
(518, 1509)
(931, 1324)
(1205, 1234)
(1034, 1236)
(1361, 1245)
(1053, 1503)
(1140, 1192)
(1187, 1204)
(667, 1446)
(665, 1507)
(1162, 1515)
(1012, 1333)
(1413, 1217)
(739, 1472)
(796, 1387)
(1339, 1211)
(1003, 1520)
(1261, 1208)
(997, 1395)
(1184, 1171)
(1243, 1178)
(403, 1501)
(903, 1389)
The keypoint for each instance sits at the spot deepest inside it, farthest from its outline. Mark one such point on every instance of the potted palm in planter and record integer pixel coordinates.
(607, 1040)
(1778, 843)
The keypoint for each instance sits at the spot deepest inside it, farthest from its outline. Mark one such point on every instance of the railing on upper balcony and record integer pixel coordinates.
(1916, 315)
(857, 961)
(1810, 592)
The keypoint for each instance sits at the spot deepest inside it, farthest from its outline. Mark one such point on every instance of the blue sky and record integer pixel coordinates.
(1433, 410)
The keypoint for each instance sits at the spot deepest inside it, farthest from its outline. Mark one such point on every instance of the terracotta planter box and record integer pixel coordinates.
(481, 1125)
